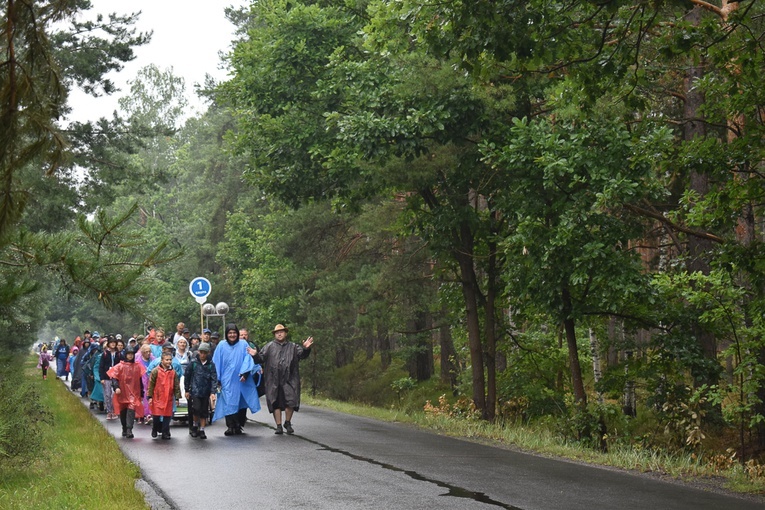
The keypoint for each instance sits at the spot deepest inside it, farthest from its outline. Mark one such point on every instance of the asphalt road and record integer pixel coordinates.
(335, 461)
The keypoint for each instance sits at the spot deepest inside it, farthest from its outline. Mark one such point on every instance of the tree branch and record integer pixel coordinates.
(674, 226)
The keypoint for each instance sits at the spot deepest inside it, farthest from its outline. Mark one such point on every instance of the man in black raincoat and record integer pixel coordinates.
(281, 375)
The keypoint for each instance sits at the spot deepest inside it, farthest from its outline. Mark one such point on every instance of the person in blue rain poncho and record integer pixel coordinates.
(238, 375)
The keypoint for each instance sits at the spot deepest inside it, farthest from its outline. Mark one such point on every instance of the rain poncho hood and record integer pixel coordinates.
(230, 327)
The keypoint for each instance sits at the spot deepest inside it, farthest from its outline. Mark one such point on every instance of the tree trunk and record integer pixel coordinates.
(612, 356)
(560, 376)
(698, 248)
(369, 343)
(470, 291)
(449, 365)
(420, 363)
(594, 352)
(580, 396)
(491, 332)
(629, 406)
(383, 342)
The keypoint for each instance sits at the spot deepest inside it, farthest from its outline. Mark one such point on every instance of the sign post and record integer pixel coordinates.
(200, 288)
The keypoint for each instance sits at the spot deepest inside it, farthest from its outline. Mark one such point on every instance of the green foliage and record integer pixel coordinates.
(277, 72)
(25, 419)
(88, 48)
(528, 387)
(362, 381)
(571, 185)
(72, 446)
(402, 386)
(683, 419)
(46, 50)
(585, 425)
(449, 161)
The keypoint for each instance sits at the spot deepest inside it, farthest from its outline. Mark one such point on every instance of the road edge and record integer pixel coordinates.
(154, 497)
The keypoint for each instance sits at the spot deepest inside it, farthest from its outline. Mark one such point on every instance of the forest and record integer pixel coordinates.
(539, 210)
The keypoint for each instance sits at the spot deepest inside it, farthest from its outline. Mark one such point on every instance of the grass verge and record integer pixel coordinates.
(540, 440)
(80, 464)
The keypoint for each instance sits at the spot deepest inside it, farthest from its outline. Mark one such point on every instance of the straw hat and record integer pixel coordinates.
(280, 327)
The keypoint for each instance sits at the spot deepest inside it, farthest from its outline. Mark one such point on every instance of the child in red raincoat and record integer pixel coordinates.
(164, 385)
(126, 379)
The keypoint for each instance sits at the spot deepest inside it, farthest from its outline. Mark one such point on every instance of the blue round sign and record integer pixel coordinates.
(200, 287)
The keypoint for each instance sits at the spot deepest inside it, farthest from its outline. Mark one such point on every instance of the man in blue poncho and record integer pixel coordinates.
(237, 375)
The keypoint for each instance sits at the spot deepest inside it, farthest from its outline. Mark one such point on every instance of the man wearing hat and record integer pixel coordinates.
(214, 341)
(195, 342)
(281, 362)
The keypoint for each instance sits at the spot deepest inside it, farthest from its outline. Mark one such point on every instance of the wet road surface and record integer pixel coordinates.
(335, 461)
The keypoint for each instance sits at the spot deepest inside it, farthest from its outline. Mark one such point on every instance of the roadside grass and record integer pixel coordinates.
(79, 466)
(539, 439)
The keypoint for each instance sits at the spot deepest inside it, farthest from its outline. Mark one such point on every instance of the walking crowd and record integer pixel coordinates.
(141, 380)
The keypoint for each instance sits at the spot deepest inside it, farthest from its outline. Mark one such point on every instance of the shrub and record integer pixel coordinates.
(21, 429)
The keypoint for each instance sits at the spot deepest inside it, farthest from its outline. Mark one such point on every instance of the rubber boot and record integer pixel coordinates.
(123, 421)
(130, 421)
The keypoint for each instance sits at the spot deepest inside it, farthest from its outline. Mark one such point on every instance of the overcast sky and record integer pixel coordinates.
(188, 36)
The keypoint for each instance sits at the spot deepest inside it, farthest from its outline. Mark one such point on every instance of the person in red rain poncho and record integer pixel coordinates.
(164, 384)
(128, 391)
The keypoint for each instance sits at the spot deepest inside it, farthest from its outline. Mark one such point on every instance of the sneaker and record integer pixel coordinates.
(279, 430)
(130, 434)
(165, 436)
(238, 431)
(288, 427)
(202, 434)
(124, 433)
(229, 432)
(153, 433)
(193, 433)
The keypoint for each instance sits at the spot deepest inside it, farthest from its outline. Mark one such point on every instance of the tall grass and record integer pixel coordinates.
(79, 465)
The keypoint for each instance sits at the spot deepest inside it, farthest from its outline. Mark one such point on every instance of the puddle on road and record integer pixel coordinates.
(454, 491)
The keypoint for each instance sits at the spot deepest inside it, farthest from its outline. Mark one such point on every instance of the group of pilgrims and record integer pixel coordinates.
(141, 380)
